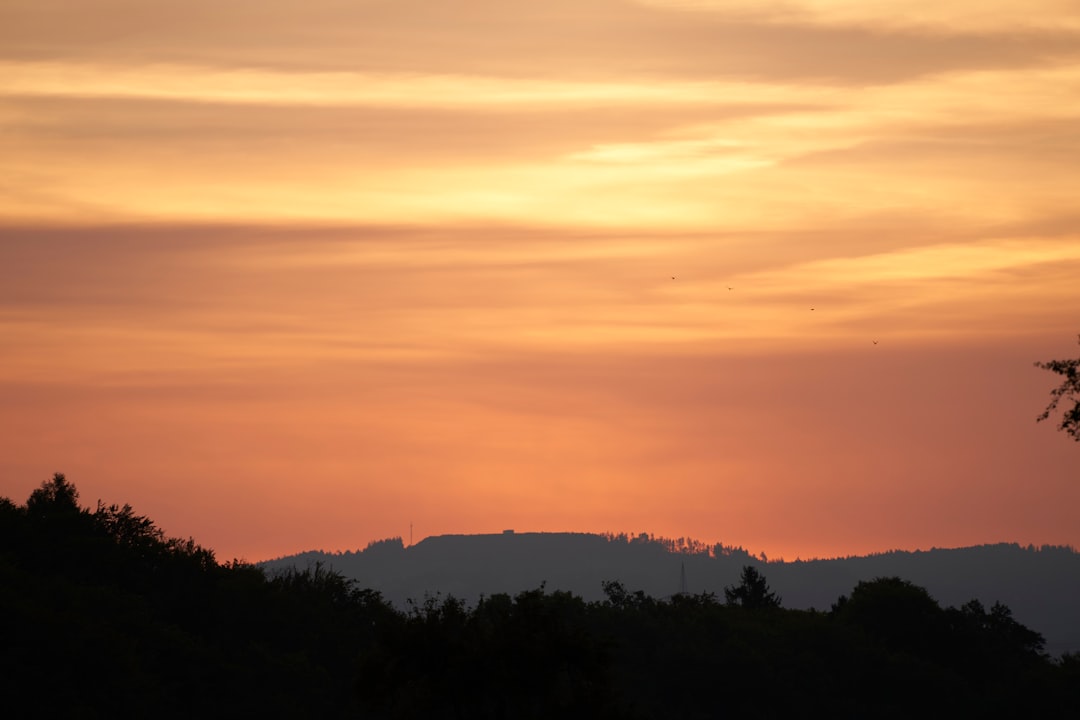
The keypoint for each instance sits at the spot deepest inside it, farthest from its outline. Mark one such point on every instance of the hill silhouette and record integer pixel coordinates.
(1040, 584)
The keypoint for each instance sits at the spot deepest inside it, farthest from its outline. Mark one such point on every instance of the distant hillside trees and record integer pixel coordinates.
(682, 545)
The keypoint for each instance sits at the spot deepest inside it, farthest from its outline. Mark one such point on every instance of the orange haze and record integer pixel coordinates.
(297, 276)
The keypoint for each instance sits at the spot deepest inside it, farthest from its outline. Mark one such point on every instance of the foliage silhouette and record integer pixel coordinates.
(752, 592)
(1069, 389)
(108, 617)
(55, 497)
(894, 612)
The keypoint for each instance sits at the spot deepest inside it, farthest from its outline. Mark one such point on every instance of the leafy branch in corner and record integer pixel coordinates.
(1069, 388)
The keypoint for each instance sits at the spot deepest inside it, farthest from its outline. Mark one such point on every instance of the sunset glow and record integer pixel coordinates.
(294, 275)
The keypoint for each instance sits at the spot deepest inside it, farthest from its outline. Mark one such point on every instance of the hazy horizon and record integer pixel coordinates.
(703, 546)
(298, 275)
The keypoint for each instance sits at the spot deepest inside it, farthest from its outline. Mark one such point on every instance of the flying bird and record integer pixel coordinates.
(875, 342)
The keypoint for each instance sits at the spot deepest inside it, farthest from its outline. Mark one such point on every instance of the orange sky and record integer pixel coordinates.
(293, 274)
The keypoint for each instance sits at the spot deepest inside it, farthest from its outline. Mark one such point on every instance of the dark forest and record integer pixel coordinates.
(105, 616)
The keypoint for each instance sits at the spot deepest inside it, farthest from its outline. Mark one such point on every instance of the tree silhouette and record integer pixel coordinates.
(56, 496)
(1069, 388)
(752, 592)
(894, 611)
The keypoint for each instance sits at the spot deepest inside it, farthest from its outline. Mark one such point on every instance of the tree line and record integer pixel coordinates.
(105, 616)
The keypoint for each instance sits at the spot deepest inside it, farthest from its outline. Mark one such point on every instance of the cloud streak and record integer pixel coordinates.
(1002, 16)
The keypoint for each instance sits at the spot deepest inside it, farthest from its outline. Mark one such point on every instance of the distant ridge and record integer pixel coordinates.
(1040, 584)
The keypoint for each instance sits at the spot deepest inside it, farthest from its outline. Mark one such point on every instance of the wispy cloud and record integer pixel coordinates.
(342, 89)
(970, 16)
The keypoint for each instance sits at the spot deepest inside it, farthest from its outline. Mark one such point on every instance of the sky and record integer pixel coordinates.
(303, 274)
